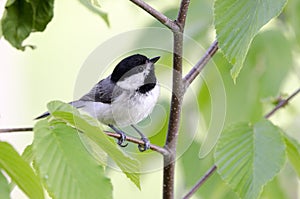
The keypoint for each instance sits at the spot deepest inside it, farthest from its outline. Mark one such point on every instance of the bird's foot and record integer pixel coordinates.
(145, 146)
(122, 137)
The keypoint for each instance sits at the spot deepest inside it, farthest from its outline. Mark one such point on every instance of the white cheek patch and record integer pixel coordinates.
(133, 82)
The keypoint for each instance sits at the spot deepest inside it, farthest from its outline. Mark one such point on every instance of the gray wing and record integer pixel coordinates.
(104, 91)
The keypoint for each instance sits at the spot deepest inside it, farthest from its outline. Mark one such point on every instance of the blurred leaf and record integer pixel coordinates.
(293, 152)
(10, 2)
(270, 64)
(1, 34)
(93, 6)
(4, 187)
(159, 125)
(95, 3)
(212, 104)
(274, 190)
(249, 156)
(265, 69)
(17, 22)
(292, 15)
(20, 171)
(66, 168)
(237, 22)
(93, 131)
(42, 13)
(199, 20)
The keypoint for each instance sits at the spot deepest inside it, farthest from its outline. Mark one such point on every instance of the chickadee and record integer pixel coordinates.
(124, 98)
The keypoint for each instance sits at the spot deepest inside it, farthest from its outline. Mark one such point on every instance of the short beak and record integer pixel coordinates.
(155, 59)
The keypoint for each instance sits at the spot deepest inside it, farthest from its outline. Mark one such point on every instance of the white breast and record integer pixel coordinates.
(129, 108)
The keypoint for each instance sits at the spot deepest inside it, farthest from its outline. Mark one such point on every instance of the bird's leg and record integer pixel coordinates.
(122, 139)
(146, 141)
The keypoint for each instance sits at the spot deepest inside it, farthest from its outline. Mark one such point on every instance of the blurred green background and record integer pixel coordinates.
(30, 79)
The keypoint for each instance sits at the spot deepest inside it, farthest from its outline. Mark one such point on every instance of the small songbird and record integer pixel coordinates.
(124, 98)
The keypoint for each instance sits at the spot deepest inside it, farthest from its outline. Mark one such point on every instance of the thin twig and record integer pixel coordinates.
(11, 130)
(282, 103)
(153, 147)
(157, 15)
(194, 72)
(200, 182)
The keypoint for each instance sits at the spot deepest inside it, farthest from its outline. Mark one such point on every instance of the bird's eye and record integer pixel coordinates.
(140, 69)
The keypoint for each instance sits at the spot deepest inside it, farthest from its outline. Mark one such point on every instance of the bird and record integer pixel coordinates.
(124, 98)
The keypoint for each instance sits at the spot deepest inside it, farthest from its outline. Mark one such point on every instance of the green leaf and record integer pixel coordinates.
(21, 17)
(10, 2)
(293, 152)
(20, 171)
(42, 13)
(92, 130)
(93, 6)
(27, 154)
(1, 34)
(17, 22)
(4, 187)
(58, 105)
(237, 22)
(248, 156)
(67, 169)
(94, 149)
(268, 62)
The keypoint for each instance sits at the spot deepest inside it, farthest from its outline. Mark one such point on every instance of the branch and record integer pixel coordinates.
(194, 72)
(157, 15)
(282, 103)
(200, 182)
(176, 104)
(181, 17)
(153, 147)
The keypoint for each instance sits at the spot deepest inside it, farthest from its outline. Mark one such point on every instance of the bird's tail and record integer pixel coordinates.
(76, 104)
